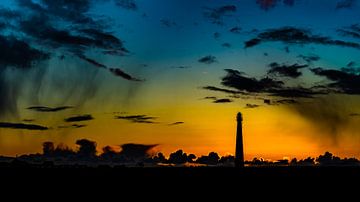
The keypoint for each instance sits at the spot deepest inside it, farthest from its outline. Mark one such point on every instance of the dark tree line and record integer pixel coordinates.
(139, 155)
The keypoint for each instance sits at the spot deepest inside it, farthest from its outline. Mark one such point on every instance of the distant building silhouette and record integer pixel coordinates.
(239, 153)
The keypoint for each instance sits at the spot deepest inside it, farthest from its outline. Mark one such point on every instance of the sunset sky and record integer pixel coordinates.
(176, 72)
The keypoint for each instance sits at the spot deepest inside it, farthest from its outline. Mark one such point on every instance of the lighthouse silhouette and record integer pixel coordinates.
(239, 153)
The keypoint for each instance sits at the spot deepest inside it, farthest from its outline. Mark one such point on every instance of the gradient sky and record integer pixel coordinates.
(165, 40)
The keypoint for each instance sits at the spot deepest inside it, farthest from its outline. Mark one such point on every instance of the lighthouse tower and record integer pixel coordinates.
(239, 153)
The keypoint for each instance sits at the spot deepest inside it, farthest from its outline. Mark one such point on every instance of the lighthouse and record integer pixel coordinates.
(239, 153)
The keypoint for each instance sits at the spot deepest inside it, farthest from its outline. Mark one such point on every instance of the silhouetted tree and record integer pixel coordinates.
(63, 150)
(307, 162)
(136, 151)
(87, 148)
(48, 148)
(211, 159)
(159, 158)
(191, 158)
(179, 157)
(227, 159)
(109, 153)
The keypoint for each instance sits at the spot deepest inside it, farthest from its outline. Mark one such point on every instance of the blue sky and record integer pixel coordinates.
(161, 36)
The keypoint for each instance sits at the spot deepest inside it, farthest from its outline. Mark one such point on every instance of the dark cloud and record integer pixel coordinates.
(252, 86)
(342, 81)
(224, 100)
(269, 4)
(292, 35)
(28, 120)
(351, 31)
(19, 54)
(15, 53)
(252, 106)
(176, 123)
(235, 30)
(181, 67)
(284, 70)
(115, 71)
(120, 73)
(74, 126)
(345, 4)
(127, 4)
(22, 126)
(91, 61)
(295, 92)
(216, 15)
(351, 64)
(138, 118)
(226, 45)
(354, 114)
(49, 109)
(309, 58)
(286, 101)
(209, 59)
(210, 98)
(329, 115)
(217, 35)
(237, 80)
(213, 88)
(79, 118)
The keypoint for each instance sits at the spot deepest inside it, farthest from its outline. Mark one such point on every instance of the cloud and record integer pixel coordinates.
(49, 109)
(284, 70)
(342, 81)
(226, 45)
(15, 53)
(267, 4)
(252, 106)
(216, 15)
(209, 59)
(292, 35)
(351, 64)
(286, 101)
(237, 80)
(138, 118)
(309, 58)
(345, 4)
(176, 123)
(75, 126)
(127, 4)
(120, 73)
(181, 67)
(210, 98)
(115, 71)
(350, 31)
(224, 100)
(245, 85)
(79, 118)
(91, 61)
(22, 126)
(235, 30)
(213, 88)
(217, 35)
(19, 54)
(270, 4)
(330, 115)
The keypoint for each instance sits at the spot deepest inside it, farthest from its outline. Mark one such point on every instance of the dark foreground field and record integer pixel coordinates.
(184, 173)
(205, 182)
